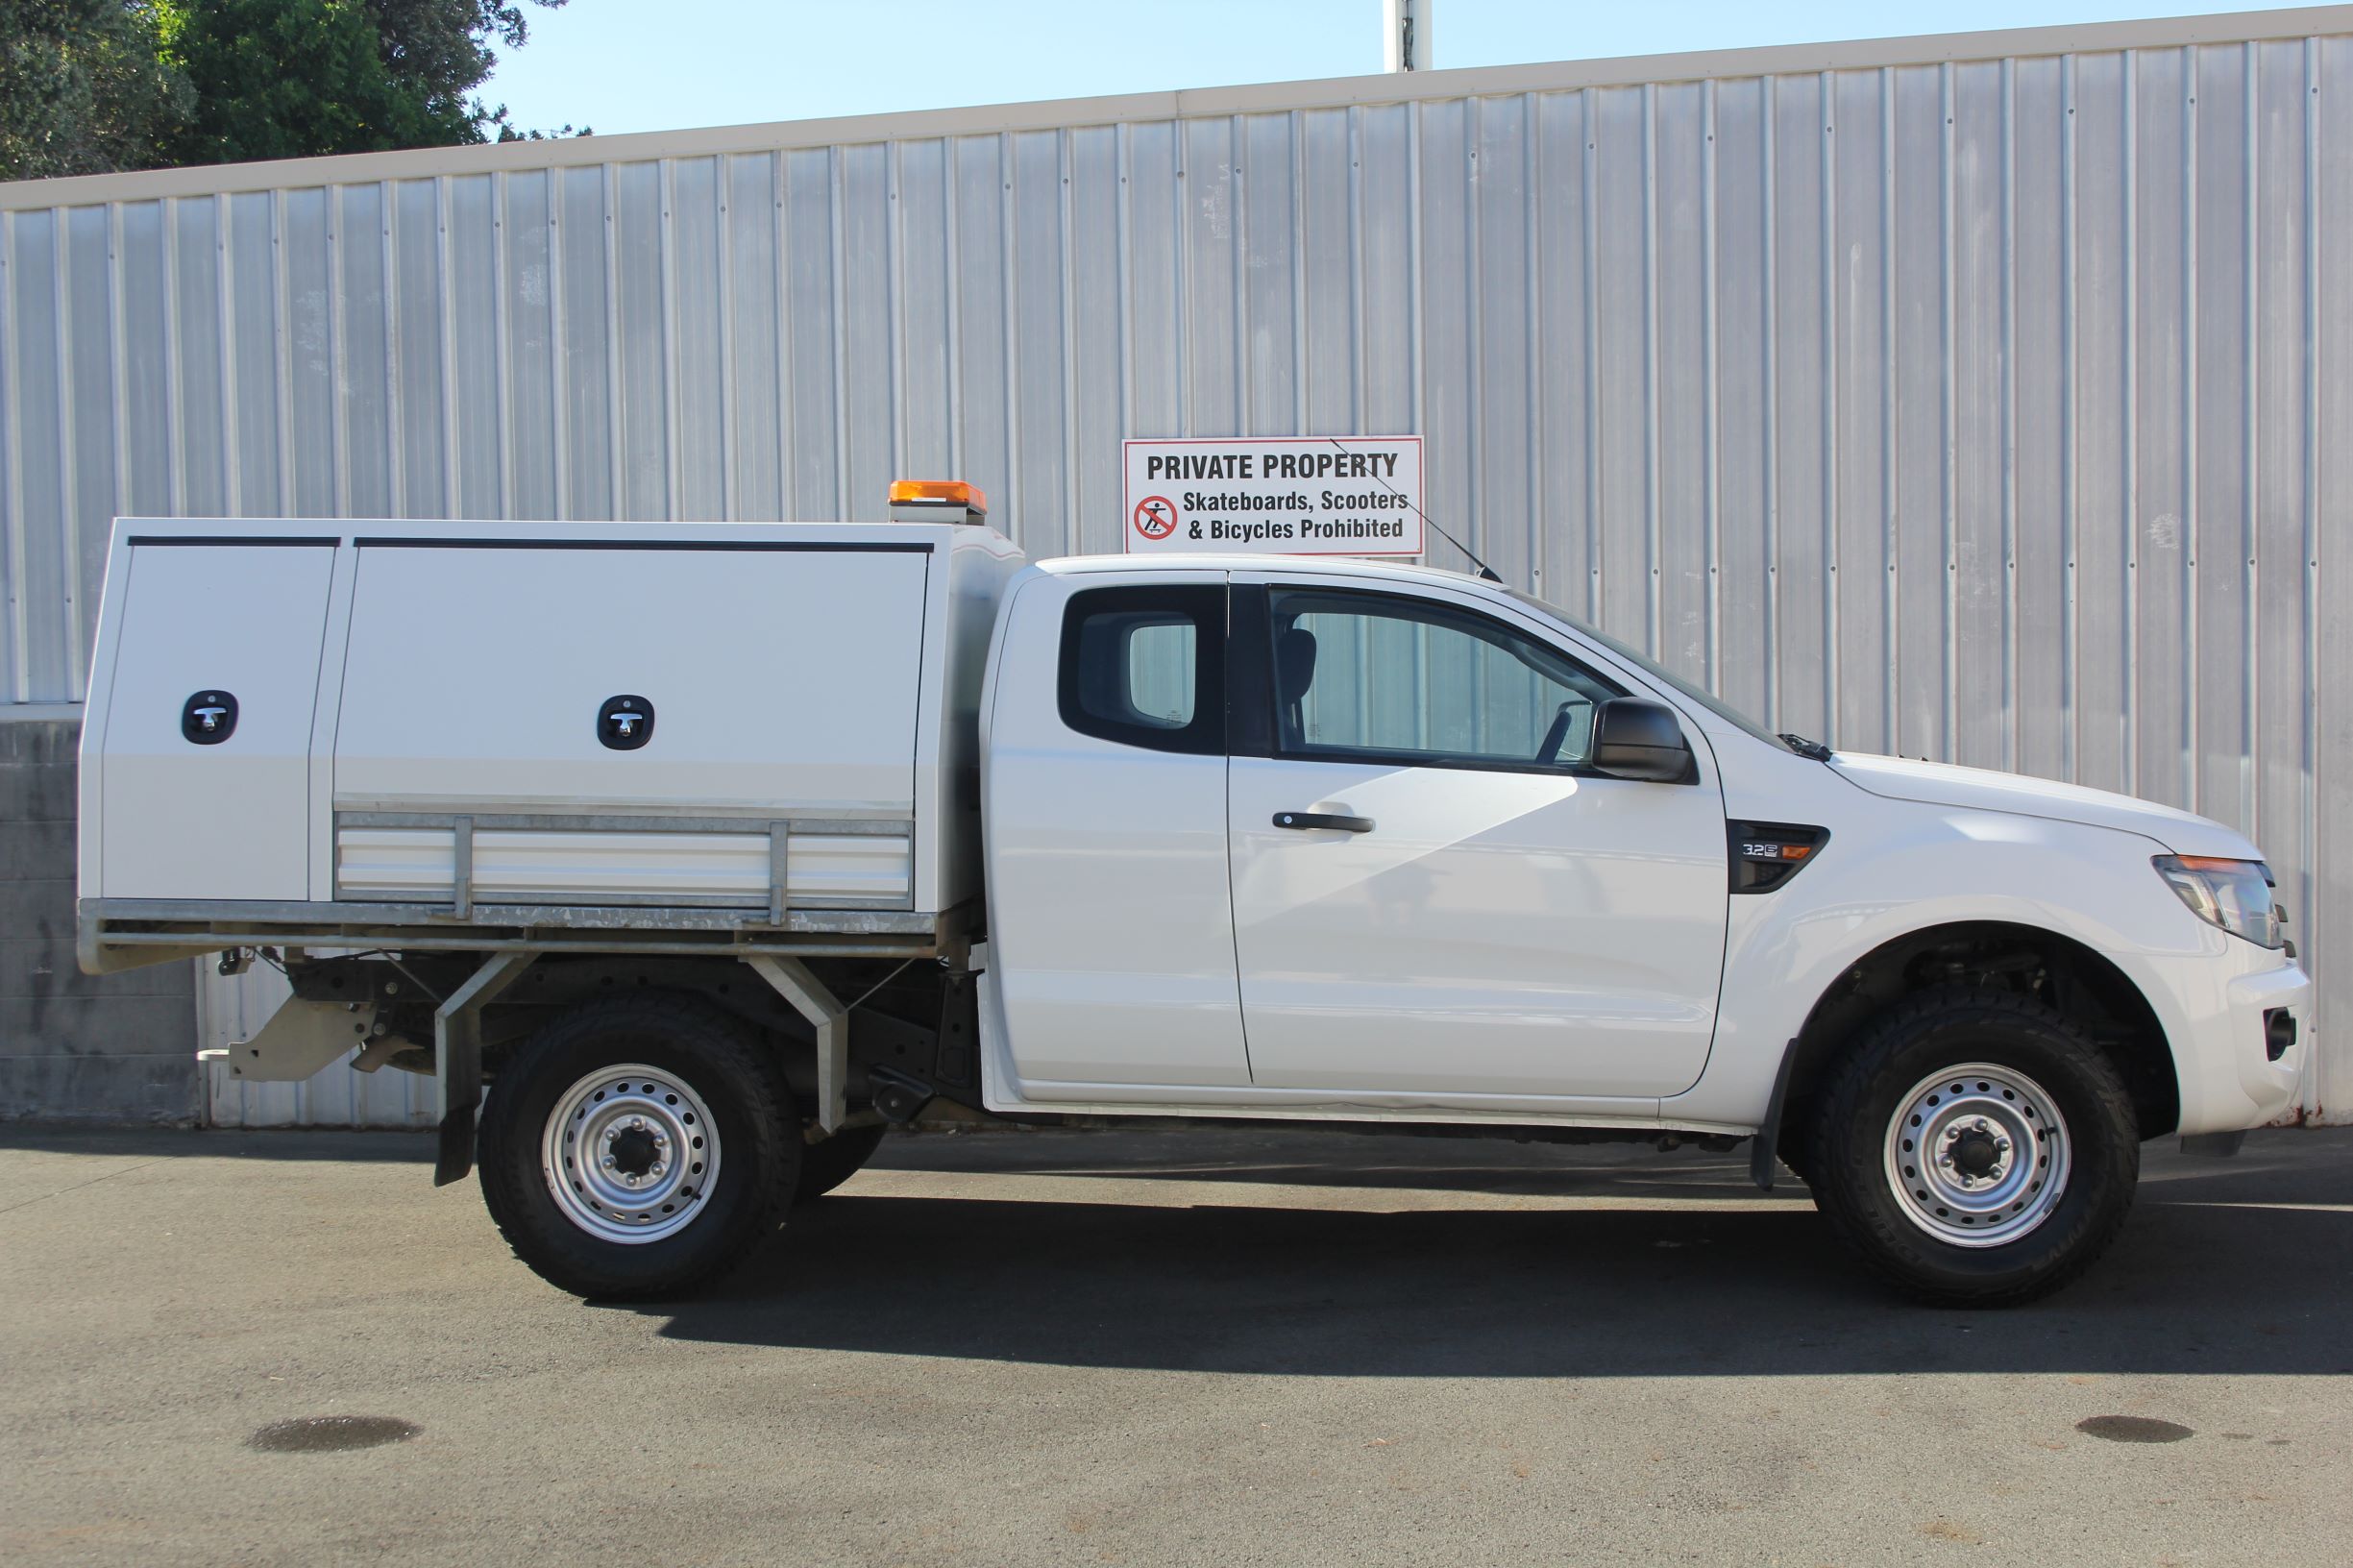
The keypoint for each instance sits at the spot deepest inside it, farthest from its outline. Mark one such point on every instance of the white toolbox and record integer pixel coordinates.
(761, 727)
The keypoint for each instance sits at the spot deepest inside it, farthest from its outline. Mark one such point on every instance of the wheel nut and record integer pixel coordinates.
(1979, 1124)
(608, 1162)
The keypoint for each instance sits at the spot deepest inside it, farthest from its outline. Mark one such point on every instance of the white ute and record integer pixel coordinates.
(716, 851)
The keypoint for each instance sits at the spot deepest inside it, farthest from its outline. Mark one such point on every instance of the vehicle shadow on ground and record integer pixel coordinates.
(2222, 1269)
(339, 1146)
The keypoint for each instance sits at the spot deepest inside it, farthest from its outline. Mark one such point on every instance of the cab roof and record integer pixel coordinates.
(1319, 565)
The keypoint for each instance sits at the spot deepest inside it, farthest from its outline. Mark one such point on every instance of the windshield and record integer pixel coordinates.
(1654, 670)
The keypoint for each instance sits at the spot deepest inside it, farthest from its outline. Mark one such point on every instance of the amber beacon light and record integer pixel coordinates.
(937, 493)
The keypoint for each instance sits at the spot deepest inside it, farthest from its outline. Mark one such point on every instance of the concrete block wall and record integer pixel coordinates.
(121, 1049)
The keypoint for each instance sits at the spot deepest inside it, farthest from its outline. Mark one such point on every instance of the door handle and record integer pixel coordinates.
(1307, 821)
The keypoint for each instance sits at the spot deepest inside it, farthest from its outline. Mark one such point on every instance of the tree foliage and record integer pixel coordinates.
(283, 78)
(83, 87)
(88, 86)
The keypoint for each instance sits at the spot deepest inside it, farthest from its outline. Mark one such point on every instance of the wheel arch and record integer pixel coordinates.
(2077, 980)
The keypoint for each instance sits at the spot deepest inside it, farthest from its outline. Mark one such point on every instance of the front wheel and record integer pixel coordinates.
(1976, 1148)
(638, 1147)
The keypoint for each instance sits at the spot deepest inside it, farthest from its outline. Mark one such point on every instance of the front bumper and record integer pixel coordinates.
(2216, 1007)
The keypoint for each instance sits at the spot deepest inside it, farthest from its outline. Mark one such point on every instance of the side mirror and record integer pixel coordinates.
(1636, 738)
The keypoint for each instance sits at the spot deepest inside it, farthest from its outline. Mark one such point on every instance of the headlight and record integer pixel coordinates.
(2235, 894)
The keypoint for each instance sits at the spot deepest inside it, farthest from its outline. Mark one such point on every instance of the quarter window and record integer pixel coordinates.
(1375, 676)
(1145, 666)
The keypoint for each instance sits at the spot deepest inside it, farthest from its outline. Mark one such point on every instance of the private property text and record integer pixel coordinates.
(1273, 465)
(1306, 495)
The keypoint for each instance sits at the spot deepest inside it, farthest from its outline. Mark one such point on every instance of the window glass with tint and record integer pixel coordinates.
(1381, 676)
(1145, 666)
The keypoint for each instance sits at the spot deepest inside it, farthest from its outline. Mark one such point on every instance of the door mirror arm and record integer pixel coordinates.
(1635, 737)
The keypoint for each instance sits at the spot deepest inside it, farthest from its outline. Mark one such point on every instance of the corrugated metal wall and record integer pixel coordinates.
(1987, 409)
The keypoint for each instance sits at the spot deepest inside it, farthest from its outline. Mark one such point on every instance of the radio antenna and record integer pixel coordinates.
(1484, 570)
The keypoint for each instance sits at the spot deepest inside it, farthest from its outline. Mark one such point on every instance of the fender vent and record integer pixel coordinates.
(1764, 855)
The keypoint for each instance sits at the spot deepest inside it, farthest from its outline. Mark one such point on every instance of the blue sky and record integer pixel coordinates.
(661, 65)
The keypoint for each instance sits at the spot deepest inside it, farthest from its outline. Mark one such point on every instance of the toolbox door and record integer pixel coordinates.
(486, 677)
(630, 721)
(205, 791)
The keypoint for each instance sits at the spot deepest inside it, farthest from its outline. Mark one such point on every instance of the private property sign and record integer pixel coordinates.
(1306, 495)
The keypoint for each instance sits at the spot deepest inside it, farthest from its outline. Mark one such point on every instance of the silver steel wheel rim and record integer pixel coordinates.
(1978, 1156)
(631, 1154)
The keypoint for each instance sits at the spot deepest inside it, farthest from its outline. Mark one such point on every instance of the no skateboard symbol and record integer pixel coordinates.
(1156, 518)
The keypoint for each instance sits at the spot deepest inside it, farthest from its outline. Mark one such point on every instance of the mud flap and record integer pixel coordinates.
(458, 1061)
(1764, 1153)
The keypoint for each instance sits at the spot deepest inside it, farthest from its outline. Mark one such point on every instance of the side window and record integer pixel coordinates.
(1145, 666)
(1379, 677)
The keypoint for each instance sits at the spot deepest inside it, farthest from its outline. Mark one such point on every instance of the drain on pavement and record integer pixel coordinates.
(2133, 1428)
(331, 1433)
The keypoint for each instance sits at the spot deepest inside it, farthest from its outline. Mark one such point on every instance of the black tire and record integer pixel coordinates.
(688, 1044)
(1851, 1145)
(826, 1165)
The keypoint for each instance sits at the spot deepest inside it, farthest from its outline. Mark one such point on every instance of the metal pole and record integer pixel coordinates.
(1406, 36)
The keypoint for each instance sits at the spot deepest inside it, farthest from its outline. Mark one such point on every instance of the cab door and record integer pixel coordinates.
(1105, 816)
(1433, 892)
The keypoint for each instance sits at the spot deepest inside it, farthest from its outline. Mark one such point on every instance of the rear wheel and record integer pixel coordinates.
(1976, 1147)
(637, 1147)
(826, 1165)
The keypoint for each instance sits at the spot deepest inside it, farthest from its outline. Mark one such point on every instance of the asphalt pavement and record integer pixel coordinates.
(1287, 1348)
